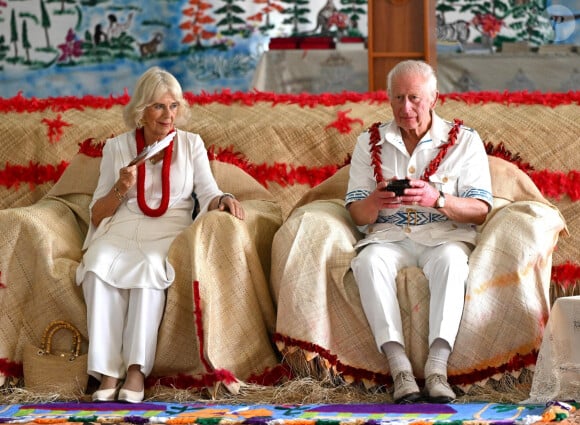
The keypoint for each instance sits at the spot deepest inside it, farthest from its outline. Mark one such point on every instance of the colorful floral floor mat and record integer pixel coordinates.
(318, 414)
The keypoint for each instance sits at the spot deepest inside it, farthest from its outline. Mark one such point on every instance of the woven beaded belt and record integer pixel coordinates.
(412, 217)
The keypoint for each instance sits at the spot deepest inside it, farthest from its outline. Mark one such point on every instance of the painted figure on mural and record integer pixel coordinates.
(329, 18)
(150, 47)
(116, 28)
(323, 17)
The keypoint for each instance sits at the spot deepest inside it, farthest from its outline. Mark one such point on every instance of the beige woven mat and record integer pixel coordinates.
(545, 137)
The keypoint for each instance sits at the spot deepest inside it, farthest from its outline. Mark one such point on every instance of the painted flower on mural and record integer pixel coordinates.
(501, 21)
(194, 27)
(71, 48)
(488, 24)
(226, 42)
(340, 20)
(264, 15)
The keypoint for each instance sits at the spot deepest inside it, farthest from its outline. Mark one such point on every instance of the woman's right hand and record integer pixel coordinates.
(108, 204)
(127, 179)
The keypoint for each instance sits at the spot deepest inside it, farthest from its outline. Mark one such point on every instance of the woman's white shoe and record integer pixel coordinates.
(108, 394)
(131, 396)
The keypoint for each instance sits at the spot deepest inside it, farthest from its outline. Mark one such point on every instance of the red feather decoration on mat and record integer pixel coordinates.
(344, 123)
(55, 128)
(566, 275)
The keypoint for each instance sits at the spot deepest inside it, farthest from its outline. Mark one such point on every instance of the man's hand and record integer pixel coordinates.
(421, 193)
(384, 198)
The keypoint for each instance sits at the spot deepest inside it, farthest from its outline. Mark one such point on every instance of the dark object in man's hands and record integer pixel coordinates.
(398, 186)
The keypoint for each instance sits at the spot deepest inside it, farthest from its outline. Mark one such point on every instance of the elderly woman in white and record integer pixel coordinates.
(137, 211)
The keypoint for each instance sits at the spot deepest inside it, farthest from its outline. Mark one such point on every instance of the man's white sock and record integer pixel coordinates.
(438, 358)
(397, 358)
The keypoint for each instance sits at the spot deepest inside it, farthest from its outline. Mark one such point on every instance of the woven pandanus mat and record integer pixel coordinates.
(287, 136)
(283, 133)
(36, 147)
(567, 249)
(545, 137)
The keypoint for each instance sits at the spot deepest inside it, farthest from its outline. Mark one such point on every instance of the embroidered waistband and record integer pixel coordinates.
(412, 217)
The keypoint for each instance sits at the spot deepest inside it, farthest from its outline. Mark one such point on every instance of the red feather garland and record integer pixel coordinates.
(376, 149)
(452, 138)
(566, 275)
(19, 103)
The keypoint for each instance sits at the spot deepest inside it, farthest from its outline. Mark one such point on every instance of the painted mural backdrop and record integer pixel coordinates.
(76, 47)
(79, 47)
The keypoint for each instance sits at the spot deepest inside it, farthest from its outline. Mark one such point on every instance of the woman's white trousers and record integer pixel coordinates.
(122, 326)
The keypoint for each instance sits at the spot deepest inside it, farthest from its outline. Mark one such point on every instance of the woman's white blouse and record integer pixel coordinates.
(129, 249)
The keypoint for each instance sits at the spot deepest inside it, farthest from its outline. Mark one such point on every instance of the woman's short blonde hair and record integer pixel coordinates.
(151, 86)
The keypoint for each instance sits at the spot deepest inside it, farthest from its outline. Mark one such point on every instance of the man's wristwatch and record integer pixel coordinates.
(440, 202)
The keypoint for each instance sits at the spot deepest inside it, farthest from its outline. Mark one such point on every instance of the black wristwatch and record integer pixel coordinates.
(440, 202)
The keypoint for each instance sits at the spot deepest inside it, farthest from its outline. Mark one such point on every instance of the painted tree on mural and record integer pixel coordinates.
(495, 18)
(298, 12)
(62, 4)
(231, 17)
(3, 47)
(530, 23)
(195, 26)
(25, 42)
(45, 22)
(353, 9)
(14, 33)
(270, 6)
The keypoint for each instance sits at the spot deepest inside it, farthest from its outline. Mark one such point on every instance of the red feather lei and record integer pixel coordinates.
(165, 186)
(376, 162)
(376, 150)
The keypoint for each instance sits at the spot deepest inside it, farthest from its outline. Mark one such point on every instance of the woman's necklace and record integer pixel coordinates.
(165, 187)
(376, 162)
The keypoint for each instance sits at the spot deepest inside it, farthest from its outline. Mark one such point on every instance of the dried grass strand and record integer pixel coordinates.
(506, 389)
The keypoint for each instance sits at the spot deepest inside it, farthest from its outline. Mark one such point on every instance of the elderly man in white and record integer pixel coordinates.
(429, 222)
